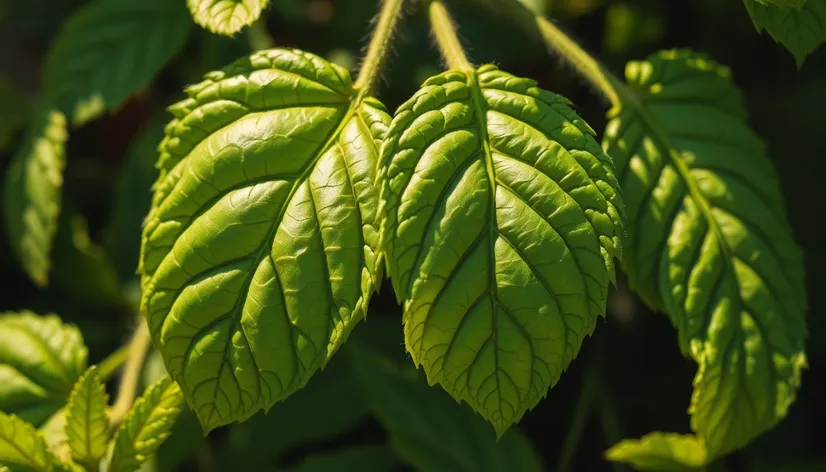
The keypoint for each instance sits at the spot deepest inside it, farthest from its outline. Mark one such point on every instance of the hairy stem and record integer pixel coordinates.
(445, 32)
(391, 11)
(606, 83)
(137, 348)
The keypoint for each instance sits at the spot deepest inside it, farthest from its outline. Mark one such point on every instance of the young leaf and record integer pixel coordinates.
(661, 452)
(428, 430)
(801, 30)
(226, 17)
(109, 49)
(258, 255)
(40, 361)
(502, 223)
(86, 421)
(708, 242)
(21, 448)
(31, 194)
(147, 426)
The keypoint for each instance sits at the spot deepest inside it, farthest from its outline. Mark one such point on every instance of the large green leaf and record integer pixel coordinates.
(40, 361)
(87, 426)
(502, 223)
(21, 448)
(31, 194)
(147, 426)
(708, 242)
(428, 430)
(226, 16)
(801, 31)
(258, 255)
(661, 452)
(109, 49)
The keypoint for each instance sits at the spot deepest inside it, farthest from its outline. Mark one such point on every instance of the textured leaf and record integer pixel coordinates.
(40, 361)
(503, 220)
(226, 16)
(147, 426)
(428, 430)
(257, 256)
(14, 110)
(708, 242)
(21, 448)
(800, 31)
(86, 421)
(110, 49)
(661, 452)
(31, 194)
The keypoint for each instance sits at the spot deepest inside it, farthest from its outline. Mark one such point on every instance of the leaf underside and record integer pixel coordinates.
(709, 244)
(258, 256)
(226, 17)
(86, 422)
(502, 223)
(147, 426)
(110, 49)
(40, 361)
(801, 30)
(660, 452)
(31, 194)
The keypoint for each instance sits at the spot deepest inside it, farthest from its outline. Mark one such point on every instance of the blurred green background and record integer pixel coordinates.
(629, 378)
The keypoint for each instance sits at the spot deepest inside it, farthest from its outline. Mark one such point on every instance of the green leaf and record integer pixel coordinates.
(427, 429)
(86, 422)
(502, 223)
(783, 3)
(40, 361)
(226, 17)
(147, 426)
(14, 111)
(31, 194)
(800, 31)
(661, 452)
(708, 242)
(108, 50)
(362, 458)
(21, 448)
(258, 255)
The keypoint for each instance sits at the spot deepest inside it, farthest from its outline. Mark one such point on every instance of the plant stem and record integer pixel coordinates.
(258, 36)
(137, 348)
(391, 11)
(591, 383)
(445, 32)
(606, 83)
(110, 365)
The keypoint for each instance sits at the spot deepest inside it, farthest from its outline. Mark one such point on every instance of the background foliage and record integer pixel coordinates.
(628, 380)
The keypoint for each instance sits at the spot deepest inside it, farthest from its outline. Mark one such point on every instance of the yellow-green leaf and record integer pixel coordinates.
(662, 452)
(31, 194)
(21, 448)
(86, 422)
(226, 17)
(147, 426)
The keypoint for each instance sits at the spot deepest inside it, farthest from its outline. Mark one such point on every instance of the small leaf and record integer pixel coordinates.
(801, 31)
(14, 111)
(109, 49)
(86, 421)
(21, 447)
(663, 452)
(40, 361)
(427, 429)
(258, 255)
(147, 426)
(31, 194)
(226, 17)
(708, 242)
(502, 225)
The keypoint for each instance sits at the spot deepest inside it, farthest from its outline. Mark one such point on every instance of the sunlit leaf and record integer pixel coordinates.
(709, 244)
(258, 255)
(226, 16)
(502, 225)
(21, 448)
(86, 422)
(662, 452)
